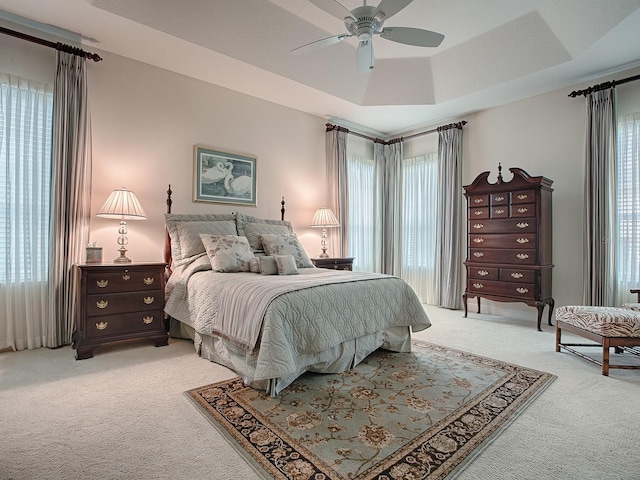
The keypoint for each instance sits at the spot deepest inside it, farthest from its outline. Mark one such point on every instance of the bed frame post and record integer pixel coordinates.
(282, 213)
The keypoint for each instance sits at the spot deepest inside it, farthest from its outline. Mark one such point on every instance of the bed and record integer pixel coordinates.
(245, 291)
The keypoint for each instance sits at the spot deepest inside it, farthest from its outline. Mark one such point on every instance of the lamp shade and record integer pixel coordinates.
(122, 204)
(325, 218)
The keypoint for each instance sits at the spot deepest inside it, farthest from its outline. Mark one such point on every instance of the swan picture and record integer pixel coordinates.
(223, 177)
(216, 173)
(237, 186)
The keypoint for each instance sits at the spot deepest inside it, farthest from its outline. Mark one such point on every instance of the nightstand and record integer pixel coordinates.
(118, 302)
(334, 263)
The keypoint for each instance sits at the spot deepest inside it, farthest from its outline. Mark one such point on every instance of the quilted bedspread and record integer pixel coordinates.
(308, 318)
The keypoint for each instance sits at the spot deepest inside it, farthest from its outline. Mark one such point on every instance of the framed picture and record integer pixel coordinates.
(223, 177)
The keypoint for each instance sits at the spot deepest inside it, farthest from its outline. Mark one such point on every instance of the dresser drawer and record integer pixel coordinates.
(517, 275)
(127, 280)
(500, 199)
(509, 240)
(500, 211)
(523, 210)
(106, 325)
(508, 225)
(479, 213)
(524, 291)
(512, 257)
(523, 196)
(478, 201)
(108, 304)
(482, 272)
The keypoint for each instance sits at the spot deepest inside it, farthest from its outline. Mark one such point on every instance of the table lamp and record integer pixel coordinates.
(324, 218)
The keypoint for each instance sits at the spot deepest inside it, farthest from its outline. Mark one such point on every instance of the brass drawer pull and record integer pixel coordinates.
(478, 200)
(522, 196)
(498, 211)
(478, 254)
(148, 300)
(498, 199)
(147, 320)
(148, 280)
(102, 304)
(522, 256)
(477, 212)
(522, 240)
(478, 239)
(478, 285)
(522, 210)
(126, 277)
(517, 275)
(478, 225)
(102, 283)
(101, 325)
(483, 273)
(522, 225)
(522, 290)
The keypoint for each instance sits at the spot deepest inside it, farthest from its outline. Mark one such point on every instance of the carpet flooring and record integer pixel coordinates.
(418, 415)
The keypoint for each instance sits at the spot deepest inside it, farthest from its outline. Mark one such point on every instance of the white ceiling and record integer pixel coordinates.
(494, 51)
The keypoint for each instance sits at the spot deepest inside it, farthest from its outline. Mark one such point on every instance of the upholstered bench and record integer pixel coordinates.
(608, 326)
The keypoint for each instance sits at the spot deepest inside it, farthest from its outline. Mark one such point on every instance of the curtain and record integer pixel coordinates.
(628, 209)
(337, 181)
(419, 199)
(388, 161)
(70, 191)
(449, 234)
(25, 161)
(361, 227)
(599, 287)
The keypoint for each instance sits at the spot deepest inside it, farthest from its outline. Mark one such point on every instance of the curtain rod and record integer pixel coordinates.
(603, 86)
(331, 127)
(58, 46)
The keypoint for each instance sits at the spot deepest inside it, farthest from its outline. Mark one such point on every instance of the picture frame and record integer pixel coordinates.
(223, 177)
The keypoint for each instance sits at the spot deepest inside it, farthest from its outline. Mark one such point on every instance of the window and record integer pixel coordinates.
(361, 227)
(25, 162)
(628, 206)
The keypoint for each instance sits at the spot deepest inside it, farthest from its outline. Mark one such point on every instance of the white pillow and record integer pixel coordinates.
(268, 265)
(227, 253)
(286, 245)
(286, 265)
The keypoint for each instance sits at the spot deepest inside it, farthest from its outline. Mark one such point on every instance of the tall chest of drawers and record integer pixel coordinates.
(118, 302)
(509, 256)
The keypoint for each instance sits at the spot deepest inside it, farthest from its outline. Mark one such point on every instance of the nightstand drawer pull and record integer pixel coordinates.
(483, 273)
(101, 325)
(102, 304)
(522, 256)
(522, 290)
(522, 225)
(478, 285)
(478, 254)
(148, 300)
(522, 240)
(478, 225)
(148, 280)
(517, 275)
(126, 277)
(102, 283)
(147, 320)
(478, 239)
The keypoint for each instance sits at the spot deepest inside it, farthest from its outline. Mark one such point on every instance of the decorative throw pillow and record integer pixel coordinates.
(253, 231)
(189, 235)
(172, 220)
(227, 253)
(268, 265)
(254, 265)
(286, 265)
(286, 245)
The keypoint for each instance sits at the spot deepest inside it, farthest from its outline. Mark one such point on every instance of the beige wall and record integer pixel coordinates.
(146, 121)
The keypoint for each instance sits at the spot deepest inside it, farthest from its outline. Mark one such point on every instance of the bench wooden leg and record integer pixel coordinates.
(605, 356)
(558, 337)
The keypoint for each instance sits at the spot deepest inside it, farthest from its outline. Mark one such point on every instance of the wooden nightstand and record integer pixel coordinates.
(118, 302)
(334, 263)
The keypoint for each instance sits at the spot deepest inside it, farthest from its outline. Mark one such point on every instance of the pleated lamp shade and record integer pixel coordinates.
(324, 217)
(122, 204)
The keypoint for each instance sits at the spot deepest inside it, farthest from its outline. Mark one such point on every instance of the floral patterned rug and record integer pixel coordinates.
(418, 415)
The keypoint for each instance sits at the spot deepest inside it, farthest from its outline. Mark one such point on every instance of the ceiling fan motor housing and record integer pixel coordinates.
(366, 24)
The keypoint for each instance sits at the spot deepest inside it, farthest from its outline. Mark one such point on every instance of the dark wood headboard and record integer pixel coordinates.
(167, 238)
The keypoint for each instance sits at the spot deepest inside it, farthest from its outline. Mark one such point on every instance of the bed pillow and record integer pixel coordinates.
(189, 236)
(286, 265)
(268, 265)
(286, 245)
(227, 253)
(242, 221)
(172, 220)
(254, 265)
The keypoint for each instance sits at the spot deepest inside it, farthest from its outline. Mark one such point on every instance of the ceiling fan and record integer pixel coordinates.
(366, 21)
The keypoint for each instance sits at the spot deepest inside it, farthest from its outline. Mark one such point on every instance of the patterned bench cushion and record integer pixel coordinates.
(605, 321)
(632, 306)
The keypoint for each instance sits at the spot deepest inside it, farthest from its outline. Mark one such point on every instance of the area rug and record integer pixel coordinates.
(418, 415)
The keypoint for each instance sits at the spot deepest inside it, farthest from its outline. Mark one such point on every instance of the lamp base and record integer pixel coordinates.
(123, 257)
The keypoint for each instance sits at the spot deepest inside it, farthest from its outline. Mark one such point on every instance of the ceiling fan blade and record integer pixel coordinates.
(391, 7)
(318, 44)
(333, 7)
(412, 36)
(364, 56)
